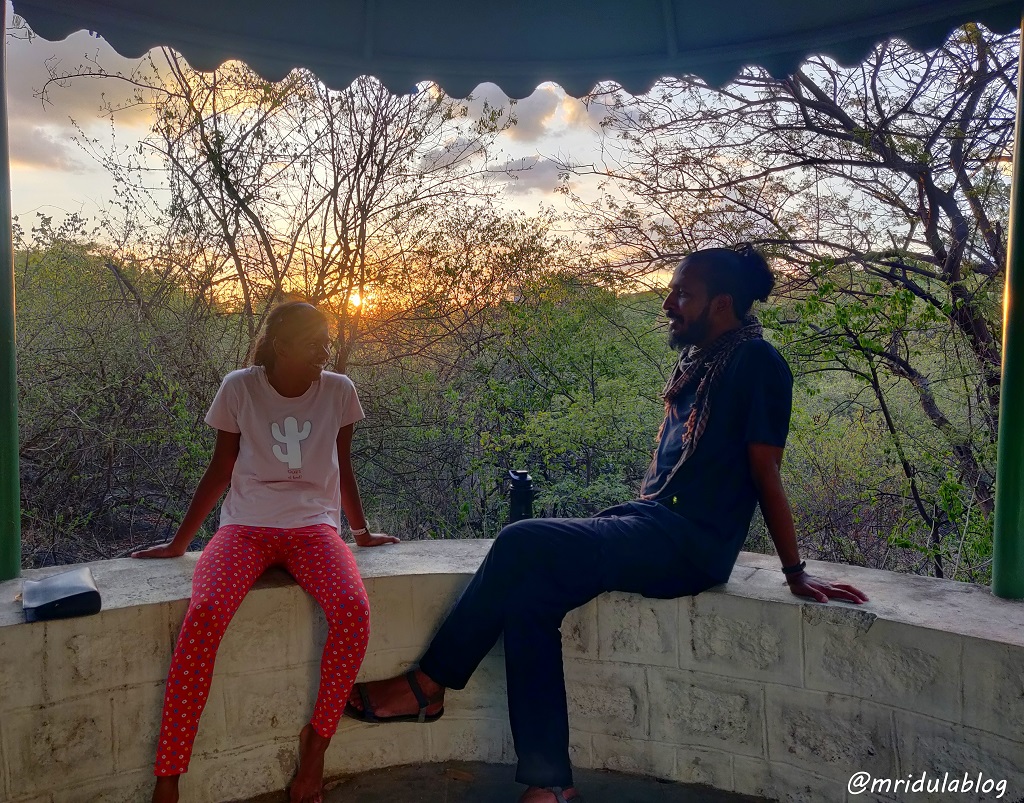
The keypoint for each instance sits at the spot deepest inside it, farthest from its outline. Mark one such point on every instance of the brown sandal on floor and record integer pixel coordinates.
(366, 714)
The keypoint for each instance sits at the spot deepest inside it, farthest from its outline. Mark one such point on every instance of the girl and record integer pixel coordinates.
(284, 433)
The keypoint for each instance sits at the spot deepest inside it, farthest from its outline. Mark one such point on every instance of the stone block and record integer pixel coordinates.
(638, 756)
(929, 745)
(5, 775)
(581, 748)
(829, 735)
(870, 797)
(119, 647)
(66, 741)
(311, 628)
(634, 629)
(266, 632)
(703, 710)
(888, 662)
(240, 774)
(509, 756)
(433, 595)
(358, 747)
(740, 573)
(580, 632)
(392, 623)
(397, 636)
(607, 698)
(740, 637)
(213, 724)
(124, 787)
(484, 696)
(22, 667)
(378, 665)
(784, 783)
(707, 767)
(176, 610)
(994, 688)
(469, 740)
(263, 706)
(136, 713)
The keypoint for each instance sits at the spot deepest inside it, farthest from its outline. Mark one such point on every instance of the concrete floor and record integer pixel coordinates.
(474, 782)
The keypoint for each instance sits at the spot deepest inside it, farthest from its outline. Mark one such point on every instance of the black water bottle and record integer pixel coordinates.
(520, 496)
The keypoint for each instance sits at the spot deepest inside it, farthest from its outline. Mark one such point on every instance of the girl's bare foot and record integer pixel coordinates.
(166, 790)
(395, 697)
(307, 786)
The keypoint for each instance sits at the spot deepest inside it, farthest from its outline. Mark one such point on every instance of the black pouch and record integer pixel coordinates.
(61, 596)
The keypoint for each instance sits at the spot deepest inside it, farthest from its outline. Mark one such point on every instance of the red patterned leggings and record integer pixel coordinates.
(235, 557)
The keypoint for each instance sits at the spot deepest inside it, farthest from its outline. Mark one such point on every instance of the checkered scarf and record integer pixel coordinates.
(705, 367)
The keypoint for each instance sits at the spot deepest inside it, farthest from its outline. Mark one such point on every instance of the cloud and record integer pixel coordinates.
(578, 114)
(546, 113)
(535, 115)
(28, 62)
(40, 147)
(41, 130)
(549, 112)
(529, 174)
(462, 148)
(489, 94)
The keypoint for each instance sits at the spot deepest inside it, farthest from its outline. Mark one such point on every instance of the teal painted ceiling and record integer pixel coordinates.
(516, 44)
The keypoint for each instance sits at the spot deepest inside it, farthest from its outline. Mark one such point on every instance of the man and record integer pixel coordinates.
(727, 409)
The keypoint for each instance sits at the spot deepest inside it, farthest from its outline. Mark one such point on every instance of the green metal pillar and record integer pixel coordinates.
(1008, 549)
(10, 493)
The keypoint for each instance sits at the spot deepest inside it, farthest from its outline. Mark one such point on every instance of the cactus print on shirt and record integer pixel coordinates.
(286, 474)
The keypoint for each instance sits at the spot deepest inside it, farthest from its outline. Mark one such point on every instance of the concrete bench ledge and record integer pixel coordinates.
(744, 688)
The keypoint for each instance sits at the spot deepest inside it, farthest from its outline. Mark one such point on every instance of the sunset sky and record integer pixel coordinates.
(52, 174)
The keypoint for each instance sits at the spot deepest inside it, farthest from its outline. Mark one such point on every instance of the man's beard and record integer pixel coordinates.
(693, 333)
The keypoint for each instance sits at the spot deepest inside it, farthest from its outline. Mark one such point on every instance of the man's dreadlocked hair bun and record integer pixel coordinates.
(740, 272)
(759, 274)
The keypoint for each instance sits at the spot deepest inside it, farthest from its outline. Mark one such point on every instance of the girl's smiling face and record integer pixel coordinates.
(305, 350)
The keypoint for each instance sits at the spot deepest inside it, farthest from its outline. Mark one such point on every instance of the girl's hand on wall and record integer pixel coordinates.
(374, 539)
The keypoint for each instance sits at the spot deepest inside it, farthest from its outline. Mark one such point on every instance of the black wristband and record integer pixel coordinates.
(795, 568)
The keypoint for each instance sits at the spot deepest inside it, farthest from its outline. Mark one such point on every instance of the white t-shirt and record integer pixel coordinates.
(286, 474)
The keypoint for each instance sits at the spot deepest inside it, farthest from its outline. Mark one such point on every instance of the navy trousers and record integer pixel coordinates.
(535, 573)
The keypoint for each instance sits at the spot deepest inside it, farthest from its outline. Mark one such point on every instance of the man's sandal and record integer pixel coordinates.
(366, 714)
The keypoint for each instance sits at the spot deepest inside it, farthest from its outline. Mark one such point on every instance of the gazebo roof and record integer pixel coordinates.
(517, 45)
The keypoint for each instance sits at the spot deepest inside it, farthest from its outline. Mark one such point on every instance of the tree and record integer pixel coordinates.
(110, 416)
(287, 187)
(880, 189)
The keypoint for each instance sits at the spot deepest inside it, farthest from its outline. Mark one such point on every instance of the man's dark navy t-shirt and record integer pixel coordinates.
(714, 488)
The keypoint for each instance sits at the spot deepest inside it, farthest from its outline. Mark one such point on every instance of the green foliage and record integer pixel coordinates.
(112, 440)
(554, 379)
(528, 366)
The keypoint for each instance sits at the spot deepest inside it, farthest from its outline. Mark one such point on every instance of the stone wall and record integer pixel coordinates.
(743, 688)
